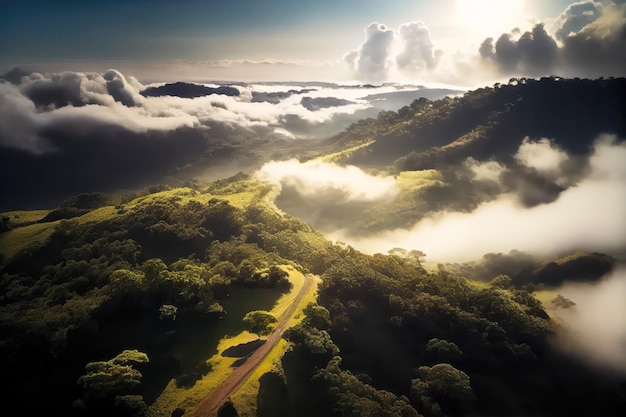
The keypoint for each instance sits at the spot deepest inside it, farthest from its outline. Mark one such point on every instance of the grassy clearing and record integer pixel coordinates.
(24, 218)
(338, 157)
(546, 297)
(173, 397)
(15, 240)
(244, 399)
(98, 215)
(184, 195)
(478, 284)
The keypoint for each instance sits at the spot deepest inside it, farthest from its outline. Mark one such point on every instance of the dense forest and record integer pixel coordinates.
(108, 298)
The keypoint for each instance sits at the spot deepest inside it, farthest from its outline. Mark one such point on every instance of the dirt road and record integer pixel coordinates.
(209, 406)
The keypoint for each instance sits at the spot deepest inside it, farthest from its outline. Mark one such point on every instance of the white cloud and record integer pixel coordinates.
(593, 330)
(82, 101)
(318, 178)
(18, 123)
(575, 17)
(588, 216)
(542, 155)
(373, 58)
(417, 53)
(484, 171)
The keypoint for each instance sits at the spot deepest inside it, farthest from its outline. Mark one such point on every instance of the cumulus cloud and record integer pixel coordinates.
(534, 52)
(575, 17)
(408, 49)
(18, 124)
(598, 48)
(587, 216)
(589, 39)
(120, 89)
(418, 52)
(373, 58)
(593, 330)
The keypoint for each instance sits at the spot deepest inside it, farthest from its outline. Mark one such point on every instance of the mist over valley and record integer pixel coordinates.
(281, 209)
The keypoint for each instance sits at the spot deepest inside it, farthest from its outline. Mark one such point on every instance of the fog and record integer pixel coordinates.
(594, 330)
(588, 215)
(103, 125)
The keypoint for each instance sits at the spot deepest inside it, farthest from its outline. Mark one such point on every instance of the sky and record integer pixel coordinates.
(337, 40)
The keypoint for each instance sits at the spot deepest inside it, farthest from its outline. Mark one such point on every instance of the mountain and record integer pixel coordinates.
(188, 90)
(143, 302)
(490, 122)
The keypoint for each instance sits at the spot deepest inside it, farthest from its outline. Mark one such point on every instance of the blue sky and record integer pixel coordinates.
(96, 32)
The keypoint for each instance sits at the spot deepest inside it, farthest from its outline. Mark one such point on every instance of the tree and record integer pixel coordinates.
(503, 282)
(125, 282)
(442, 350)
(561, 302)
(317, 316)
(259, 322)
(442, 390)
(116, 376)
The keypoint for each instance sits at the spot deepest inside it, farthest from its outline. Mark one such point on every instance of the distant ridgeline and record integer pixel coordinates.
(188, 90)
(491, 122)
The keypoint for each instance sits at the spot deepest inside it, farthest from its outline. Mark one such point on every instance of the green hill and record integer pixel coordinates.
(111, 304)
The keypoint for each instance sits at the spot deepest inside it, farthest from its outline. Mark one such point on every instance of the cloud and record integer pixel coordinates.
(48, 121)
(542, 155)
(587, 216)
(409, 49)
(593, 330)
(575, 17)
(533, 53)
(598, 48)
(315, 177)
(324, 194)
(589, 40)
(373, 58)
(120, 89)
(18, 124)
(484, 171)
(418, 52)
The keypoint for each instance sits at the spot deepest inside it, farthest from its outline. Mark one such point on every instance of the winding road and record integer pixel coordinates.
(210, 405)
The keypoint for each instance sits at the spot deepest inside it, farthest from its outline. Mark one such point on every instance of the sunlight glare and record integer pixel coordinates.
(490, 16)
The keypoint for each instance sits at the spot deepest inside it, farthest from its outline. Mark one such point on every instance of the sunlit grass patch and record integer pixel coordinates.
(478, 284)
(174, 397)
(415, 180)
(240, 200)
(338, 157)
(23, 218)
(15, 240)
(176, 193)
(244, 399)
(546, 297)
(98, 215)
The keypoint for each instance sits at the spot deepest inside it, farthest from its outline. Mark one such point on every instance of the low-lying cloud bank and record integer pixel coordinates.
(586, 213)
(71, 132)
(593, 330)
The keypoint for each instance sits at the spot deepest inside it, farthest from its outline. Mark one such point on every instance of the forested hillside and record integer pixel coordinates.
(113, 304)
(490, 122)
